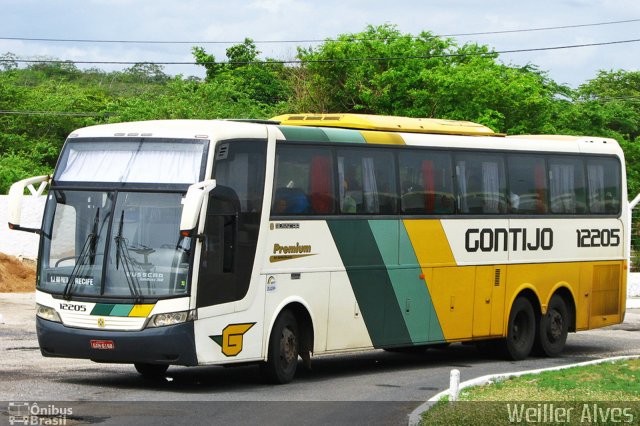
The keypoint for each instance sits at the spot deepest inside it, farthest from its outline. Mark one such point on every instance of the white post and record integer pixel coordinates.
(454, 385)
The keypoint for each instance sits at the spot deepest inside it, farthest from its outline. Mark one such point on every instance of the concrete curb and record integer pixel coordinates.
(416, 415)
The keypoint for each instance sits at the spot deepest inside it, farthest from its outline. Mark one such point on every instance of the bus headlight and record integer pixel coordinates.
(47, 313)
(171, 318)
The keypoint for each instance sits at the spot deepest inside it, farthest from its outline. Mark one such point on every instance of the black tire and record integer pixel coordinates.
(553, 328)
(151, 371)
(521, 331)
(284, 349)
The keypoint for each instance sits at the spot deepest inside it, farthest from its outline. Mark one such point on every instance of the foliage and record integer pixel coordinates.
(425, 76)
(379, 70)
(245, 73)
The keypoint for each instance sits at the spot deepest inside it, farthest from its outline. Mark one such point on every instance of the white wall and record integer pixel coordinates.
(633, 290)
(16, 243)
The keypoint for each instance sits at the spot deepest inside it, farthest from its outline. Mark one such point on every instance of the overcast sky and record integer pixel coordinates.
(233, 20)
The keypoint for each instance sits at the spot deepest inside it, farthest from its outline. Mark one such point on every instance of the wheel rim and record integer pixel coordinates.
(288, 347)
(520, 329)
(556, 326)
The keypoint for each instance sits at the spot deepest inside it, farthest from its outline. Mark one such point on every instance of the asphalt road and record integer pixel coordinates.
(356, 388)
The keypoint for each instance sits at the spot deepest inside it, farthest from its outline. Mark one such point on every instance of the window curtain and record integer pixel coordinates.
(491, 186)
(429, 185)
(461, 174)
(321, 199)
(370, 187)
(540, 183)
(341, 181)
(563, 197)
(142, 164)
(595, 177)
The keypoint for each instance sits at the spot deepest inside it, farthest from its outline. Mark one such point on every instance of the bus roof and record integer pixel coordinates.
(387, 123)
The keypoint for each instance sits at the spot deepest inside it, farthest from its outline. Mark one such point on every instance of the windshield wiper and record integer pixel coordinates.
(88, 251)
(123, 256)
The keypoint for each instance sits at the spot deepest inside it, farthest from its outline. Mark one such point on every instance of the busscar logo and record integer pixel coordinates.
(231, 338)
(281, 252)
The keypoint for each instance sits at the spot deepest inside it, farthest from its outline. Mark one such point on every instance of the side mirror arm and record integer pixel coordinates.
(16, 193)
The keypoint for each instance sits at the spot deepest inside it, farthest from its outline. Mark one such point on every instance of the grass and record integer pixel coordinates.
(607, 393)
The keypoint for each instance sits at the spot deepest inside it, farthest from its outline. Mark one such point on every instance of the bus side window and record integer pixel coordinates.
(303, 181)
(368, 181)
(426, 183)
(567, 186)
(527, 184)
(603, 178)
(481, 184)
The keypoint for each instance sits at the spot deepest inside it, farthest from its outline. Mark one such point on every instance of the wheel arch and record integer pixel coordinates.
(528, 292)
(304, 318)
(568, 297)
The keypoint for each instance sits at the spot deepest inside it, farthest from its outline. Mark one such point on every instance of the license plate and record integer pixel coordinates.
(103, 344)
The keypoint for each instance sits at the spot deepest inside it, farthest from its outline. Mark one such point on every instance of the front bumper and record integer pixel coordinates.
(163, 345)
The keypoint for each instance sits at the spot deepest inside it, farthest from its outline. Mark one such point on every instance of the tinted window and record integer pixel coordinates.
(481, 184)
(426, 183)
(240, 166)
(603, 176)
(368, 184)
(527, 184)
(304, 181)
(566, 186)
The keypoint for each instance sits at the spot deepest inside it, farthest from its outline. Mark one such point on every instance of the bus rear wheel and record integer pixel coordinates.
(151, 371)
(521, 330)
(282, 360)
(553, 329)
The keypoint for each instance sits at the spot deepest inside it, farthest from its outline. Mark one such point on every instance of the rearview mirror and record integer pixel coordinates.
(192, 203)
(16, 193)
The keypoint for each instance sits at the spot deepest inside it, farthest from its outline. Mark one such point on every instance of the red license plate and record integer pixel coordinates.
(103, 344)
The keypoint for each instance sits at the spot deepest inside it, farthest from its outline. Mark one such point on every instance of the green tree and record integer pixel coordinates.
(383, 71)
(262, 81)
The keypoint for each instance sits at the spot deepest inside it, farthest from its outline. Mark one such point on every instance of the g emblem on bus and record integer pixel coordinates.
(231, 339)
(101, 322)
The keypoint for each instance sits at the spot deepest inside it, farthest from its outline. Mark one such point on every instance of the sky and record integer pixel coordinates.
(202, 21)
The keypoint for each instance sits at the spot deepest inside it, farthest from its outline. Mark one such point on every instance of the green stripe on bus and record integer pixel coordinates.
(102, 309)
(121, 310)
(307, 134)
(344, 135)
(370, 281)
(418, 292)
(411, 293)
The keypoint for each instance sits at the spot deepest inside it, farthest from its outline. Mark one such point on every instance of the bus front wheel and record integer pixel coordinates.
(521, 330)
(151, 371)
(283, 349)
(554, 327)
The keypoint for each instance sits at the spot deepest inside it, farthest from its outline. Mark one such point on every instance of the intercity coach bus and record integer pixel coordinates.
(195, 242)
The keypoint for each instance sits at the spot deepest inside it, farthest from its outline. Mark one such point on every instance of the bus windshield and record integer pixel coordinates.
(114, 244)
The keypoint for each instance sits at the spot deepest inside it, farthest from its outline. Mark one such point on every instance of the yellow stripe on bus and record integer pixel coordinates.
(141, 310)
(382, 138)
(430, 242)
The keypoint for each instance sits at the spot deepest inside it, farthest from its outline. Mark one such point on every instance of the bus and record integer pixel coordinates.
(220, 242)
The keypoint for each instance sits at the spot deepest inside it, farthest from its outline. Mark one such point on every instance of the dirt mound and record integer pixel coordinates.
(16, 276)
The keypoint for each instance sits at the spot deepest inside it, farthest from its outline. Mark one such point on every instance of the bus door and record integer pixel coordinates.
(232, 222)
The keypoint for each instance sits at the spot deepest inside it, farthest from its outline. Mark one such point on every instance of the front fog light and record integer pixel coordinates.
(47, 313)
(172, 318)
